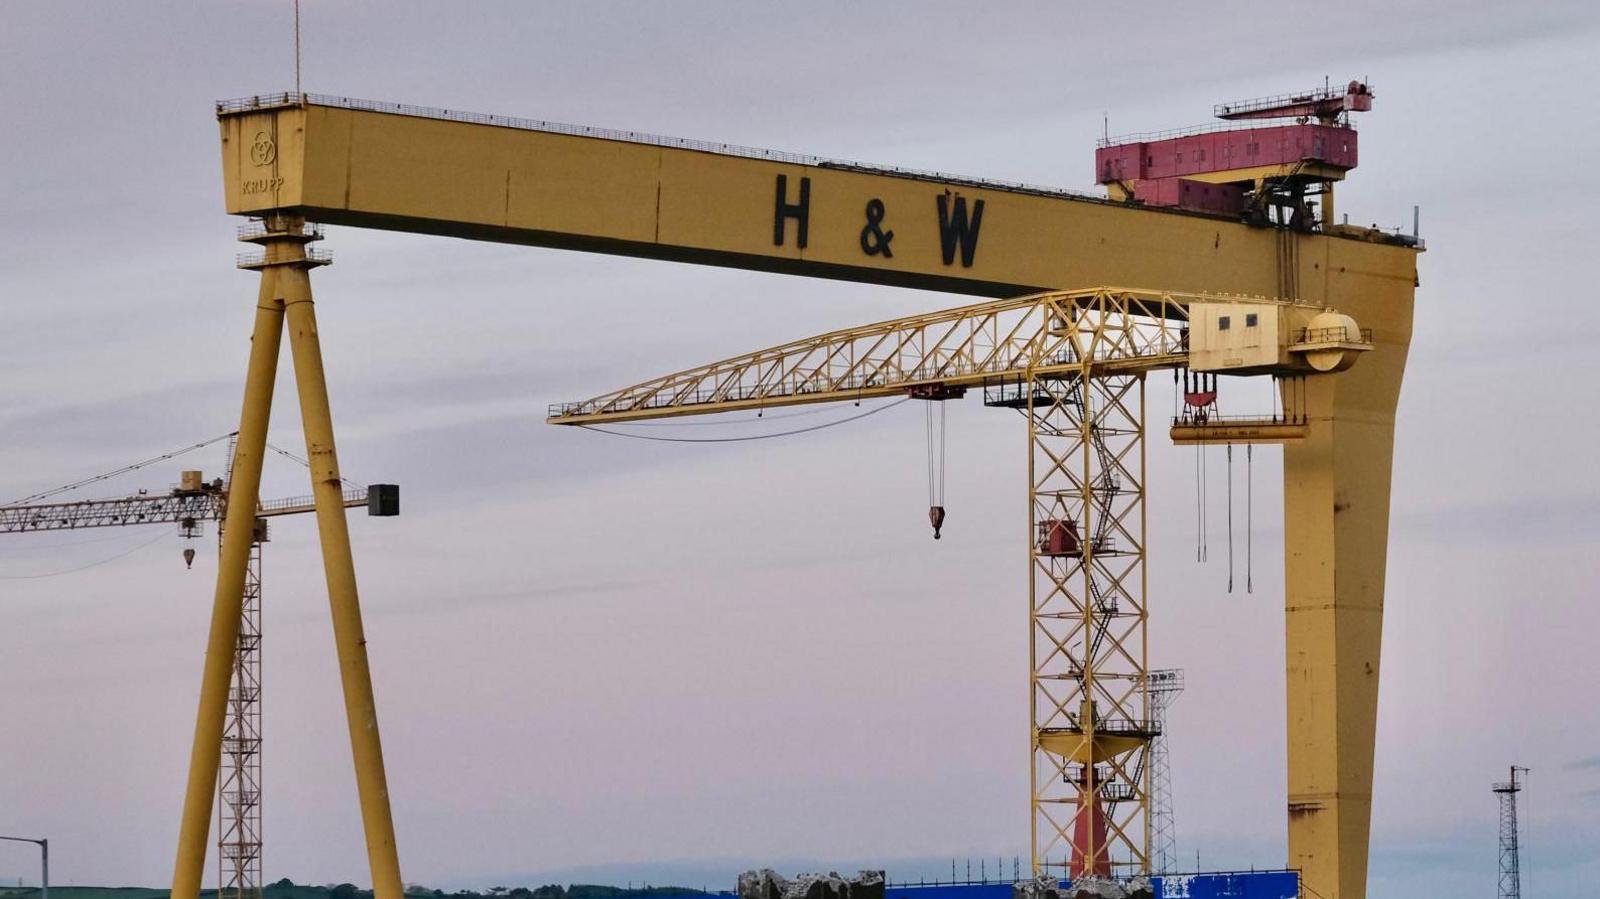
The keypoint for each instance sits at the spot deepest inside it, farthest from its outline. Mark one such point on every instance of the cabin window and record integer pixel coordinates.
(1224, 322)
(1250, 320)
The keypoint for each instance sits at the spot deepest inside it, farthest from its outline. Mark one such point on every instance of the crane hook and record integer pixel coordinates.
(936, 518)
(188, 557)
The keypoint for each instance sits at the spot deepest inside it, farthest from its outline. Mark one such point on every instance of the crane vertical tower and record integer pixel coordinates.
(1165, 685)
(239, 788)
(1510, 882)
(1091, 717)
(189, 505)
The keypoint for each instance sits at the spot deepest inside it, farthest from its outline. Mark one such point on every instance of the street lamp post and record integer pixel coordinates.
(44, 862)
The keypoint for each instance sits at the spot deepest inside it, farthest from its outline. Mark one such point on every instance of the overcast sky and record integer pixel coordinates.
(621, 659)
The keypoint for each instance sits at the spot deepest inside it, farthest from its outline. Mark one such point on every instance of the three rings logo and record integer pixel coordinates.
(263, 151)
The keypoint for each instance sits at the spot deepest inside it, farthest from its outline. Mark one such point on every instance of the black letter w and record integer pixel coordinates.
(955, 228)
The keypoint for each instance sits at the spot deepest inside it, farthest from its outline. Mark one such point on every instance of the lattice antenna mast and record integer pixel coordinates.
(1165, 685)
(1510, 837)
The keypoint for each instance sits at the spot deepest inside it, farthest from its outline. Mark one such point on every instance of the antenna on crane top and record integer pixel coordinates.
(297, 47)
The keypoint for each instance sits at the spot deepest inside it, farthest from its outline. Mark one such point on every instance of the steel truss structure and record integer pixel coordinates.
(239, 837)
(1509, 884)
(1165, 685)
(1074, 364)
(1088, 648)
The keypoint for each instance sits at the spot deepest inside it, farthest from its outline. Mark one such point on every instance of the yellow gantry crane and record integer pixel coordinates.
(190, 505)
(1241, 214)
(1074, 363)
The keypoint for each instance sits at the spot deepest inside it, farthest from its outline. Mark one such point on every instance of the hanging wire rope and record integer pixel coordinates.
(67, 545)
(120, 471)
(935, 434)
(722, 422)
(288, 455)
(128, 552)
(1230, 519)
(857, 417)
(1249, 518)
(1204, 551)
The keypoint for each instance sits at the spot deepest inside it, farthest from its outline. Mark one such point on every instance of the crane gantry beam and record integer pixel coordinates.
(397, 167)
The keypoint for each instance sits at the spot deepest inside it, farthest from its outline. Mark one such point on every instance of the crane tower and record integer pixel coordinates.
(1165, 685)
(1510, 882)
(193, 502)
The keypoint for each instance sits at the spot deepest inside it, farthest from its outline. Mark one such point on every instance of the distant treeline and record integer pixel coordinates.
(288, 889)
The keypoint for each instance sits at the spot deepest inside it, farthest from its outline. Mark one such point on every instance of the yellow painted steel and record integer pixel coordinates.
(484, 180)
(239, 527)
(349, 635)
(285, 293)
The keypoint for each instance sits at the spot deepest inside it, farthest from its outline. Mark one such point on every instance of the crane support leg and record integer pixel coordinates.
(238, 533)
(1336, 532)
(339, 568)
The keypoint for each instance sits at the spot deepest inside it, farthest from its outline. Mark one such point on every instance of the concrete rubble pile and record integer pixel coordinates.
(1089, 887)
(768, 884)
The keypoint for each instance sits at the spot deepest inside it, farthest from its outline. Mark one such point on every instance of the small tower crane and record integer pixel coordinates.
(1074, 364)
(189, 505)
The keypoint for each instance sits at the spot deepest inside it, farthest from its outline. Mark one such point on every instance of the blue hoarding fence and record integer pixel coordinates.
(1207, 885)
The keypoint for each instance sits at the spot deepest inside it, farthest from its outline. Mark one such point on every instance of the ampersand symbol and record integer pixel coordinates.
(875, 240)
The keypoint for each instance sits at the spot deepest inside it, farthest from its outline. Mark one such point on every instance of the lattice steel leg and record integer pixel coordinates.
(1090, 703)
(239, 787)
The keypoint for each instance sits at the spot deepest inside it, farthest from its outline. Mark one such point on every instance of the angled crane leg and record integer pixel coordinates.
(238, 531)
(1336, 530)
(348, 634)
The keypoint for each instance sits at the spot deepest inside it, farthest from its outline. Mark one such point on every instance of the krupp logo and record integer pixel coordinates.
(263, 151)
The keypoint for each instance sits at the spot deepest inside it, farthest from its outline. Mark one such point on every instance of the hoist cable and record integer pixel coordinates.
(123, 470)
(1249, 518)
(288, 455)
(1199, 511)
(873, 411)
(1230, 517)
(941, 452)
(720, 422)
(128, 552)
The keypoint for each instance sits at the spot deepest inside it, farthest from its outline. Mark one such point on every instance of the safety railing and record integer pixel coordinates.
(1335, 334)
(256, 229)
(1255, 104)
(263, 102)
(1191, 419)
(258, 258)
(352, 498)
